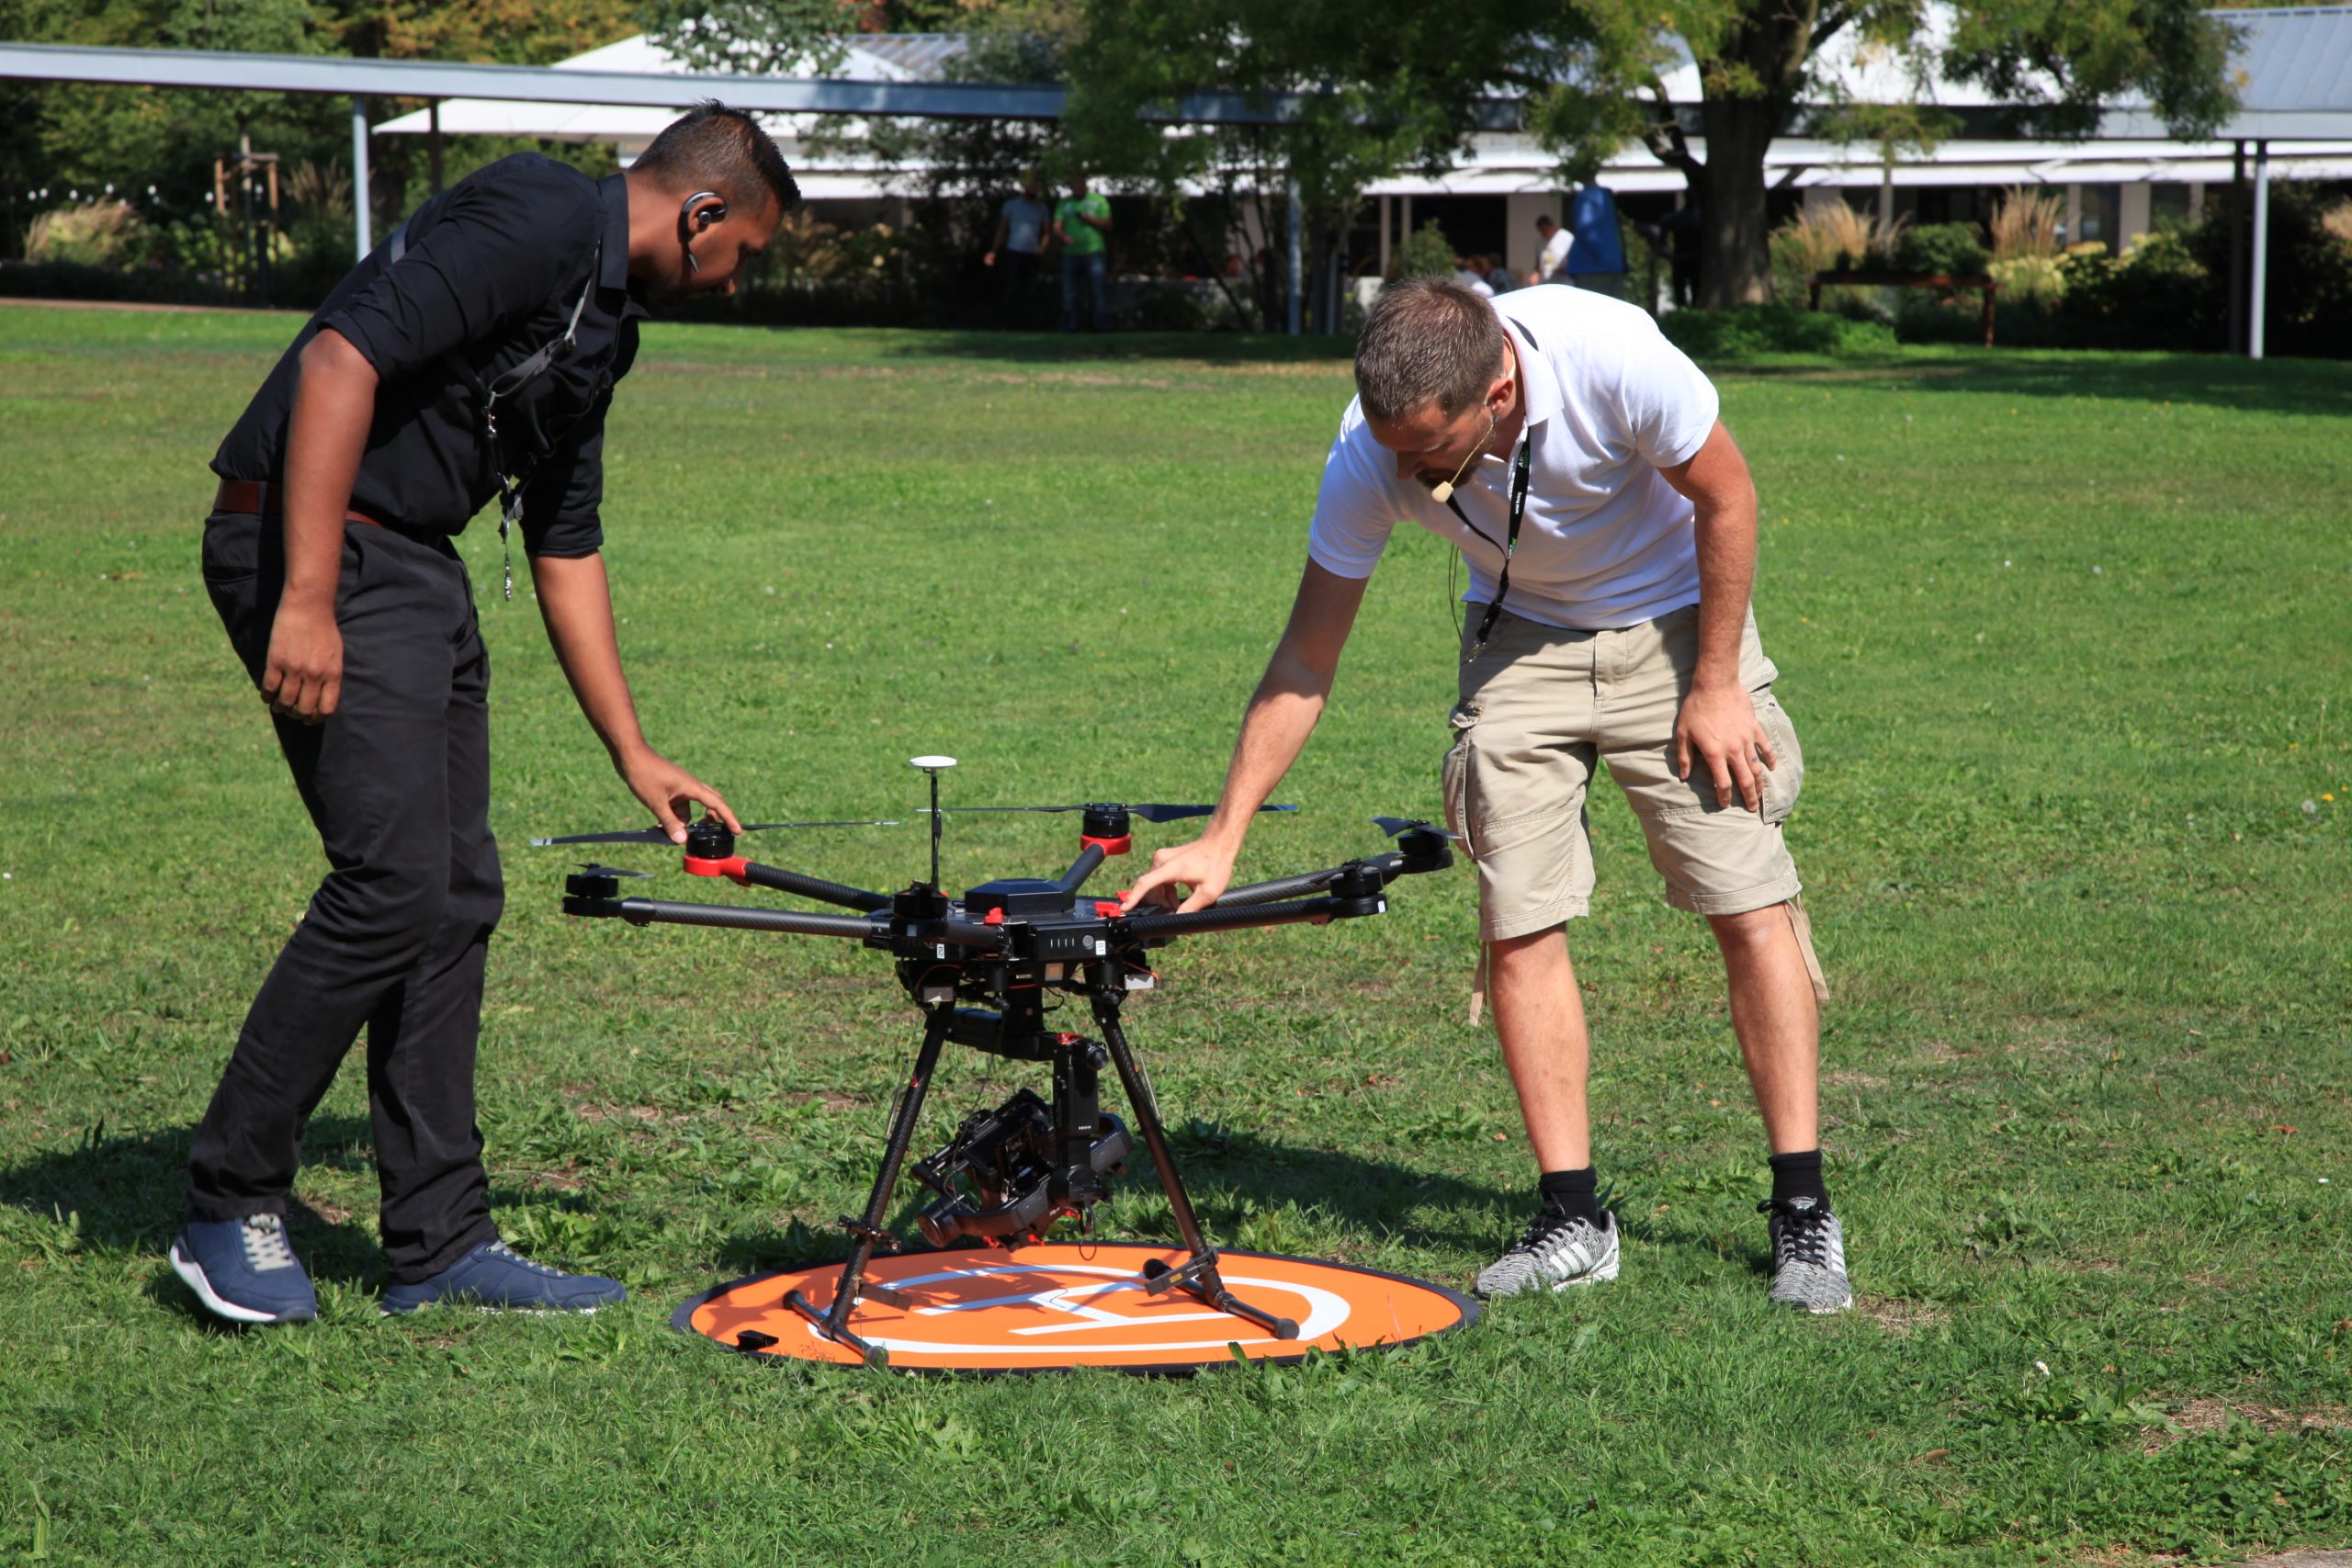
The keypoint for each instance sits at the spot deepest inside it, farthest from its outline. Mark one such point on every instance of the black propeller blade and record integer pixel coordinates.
(656, 835)
(1149, 813)
(1397, 826)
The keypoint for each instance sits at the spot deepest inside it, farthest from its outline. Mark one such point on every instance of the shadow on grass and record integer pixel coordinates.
(1245, 1190)
(2212, 380)
(129, 1194)
(894, 343)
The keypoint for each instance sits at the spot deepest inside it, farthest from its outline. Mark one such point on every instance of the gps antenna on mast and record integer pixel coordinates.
(931, 765)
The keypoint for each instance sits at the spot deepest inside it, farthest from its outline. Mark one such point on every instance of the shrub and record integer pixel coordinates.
(1773, 328)
(2309, 292)
(2338, 221)
(1952, 248)
(2026, 224)
(1426, 253)
(97, 233)
(2029, 278)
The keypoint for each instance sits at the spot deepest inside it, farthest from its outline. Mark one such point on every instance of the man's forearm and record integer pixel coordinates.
(334, 405)
(575, 600)
(1283, 713)
(1725, 538)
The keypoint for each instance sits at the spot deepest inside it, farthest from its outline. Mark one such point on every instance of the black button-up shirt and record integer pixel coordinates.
(490, 272)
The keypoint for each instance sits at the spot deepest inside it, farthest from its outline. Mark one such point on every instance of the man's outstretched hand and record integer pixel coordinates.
(1204, 867)
(668, 790)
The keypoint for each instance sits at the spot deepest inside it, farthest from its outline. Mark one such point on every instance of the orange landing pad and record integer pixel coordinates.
(1050, 1308)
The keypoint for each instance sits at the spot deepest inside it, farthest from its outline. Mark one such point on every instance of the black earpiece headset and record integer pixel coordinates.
(690, 222)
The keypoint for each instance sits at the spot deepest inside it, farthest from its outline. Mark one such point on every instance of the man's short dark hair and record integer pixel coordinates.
(1429, 341)
(1544, 218)
(712, 147)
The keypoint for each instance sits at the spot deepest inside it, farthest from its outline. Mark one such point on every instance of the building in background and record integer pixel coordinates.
(2114, 189)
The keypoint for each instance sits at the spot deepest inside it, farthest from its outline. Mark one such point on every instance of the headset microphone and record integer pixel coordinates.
(690, 222)
(1443, 492)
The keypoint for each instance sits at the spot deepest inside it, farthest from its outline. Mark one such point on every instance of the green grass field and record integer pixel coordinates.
(2069, 641)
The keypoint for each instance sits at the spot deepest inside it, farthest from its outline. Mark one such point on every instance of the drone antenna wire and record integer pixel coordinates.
(931, 765)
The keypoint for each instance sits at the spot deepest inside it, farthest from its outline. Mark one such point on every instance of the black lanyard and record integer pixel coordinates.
(1519, 468)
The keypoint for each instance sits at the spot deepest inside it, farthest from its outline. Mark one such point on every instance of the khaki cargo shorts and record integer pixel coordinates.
(1540, 706)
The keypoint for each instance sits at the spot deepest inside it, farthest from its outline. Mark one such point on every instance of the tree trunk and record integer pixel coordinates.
(1735, 240)
(1769, 45)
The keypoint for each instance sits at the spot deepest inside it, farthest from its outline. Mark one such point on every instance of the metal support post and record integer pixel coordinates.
(2237, 247)
(2261, 249)
(361, 238)
(1291, 270)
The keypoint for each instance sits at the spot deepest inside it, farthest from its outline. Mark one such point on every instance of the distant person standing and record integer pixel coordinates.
(1499, 278)
(1083, 225)
(1552, 258)
(1019, 246)
(1468, 272)
(1678, 233)
(1596, 255)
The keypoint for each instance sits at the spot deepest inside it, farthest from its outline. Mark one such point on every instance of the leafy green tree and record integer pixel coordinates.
(1383, 84)
(2056, 59)
(752, 36)
(509, 32)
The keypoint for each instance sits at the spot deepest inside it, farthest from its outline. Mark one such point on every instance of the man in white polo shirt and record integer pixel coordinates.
(1576, 457)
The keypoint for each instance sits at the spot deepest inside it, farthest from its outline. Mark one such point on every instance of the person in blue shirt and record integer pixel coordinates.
(1019, 244)
(1597, 259)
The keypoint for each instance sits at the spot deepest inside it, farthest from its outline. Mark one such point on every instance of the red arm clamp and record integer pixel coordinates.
(731, 868)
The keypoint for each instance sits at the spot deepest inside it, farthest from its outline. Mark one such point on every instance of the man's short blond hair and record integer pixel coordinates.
(1427, 342)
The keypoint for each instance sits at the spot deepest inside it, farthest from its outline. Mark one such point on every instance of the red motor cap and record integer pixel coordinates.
(733, 868)
(993, 917)
(1117, 846)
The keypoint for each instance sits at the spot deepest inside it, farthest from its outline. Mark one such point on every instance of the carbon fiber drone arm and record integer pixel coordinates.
(1388, 867)
(779, 880)
(796, 922)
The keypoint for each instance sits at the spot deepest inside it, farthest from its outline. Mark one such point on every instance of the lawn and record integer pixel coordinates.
(2068, 639)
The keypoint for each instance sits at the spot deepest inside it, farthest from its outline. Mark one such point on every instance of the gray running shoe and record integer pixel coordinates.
(1808, 1256)
(1555, 1250)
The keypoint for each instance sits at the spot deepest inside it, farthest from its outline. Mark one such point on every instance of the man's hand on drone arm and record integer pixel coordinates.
(1281, 717)
(576, 602)
(1717, 728)
(334, 399)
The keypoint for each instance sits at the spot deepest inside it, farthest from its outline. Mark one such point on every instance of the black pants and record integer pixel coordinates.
(1020, 297)
(397, 782)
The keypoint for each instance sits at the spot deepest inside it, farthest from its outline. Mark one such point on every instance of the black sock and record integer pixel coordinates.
(1572, 1192)
(1798, 1175)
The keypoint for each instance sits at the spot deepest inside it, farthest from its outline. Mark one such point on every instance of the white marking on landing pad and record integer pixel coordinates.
(1327, 1312)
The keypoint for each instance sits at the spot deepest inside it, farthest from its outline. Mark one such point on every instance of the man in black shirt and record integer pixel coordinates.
(471, 357)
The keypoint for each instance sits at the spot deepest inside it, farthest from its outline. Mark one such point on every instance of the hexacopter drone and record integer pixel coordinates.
(980, 966)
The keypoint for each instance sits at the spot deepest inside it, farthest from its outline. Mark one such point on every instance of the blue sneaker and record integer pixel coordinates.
(243, 1271)
(494, 1276)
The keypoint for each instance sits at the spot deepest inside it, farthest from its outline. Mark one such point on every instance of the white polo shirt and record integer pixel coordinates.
(1606, 542)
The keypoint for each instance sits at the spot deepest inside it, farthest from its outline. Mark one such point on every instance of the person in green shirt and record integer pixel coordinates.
(1082, 224)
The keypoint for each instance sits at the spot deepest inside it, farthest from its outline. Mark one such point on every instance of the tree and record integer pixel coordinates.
(1384, 85)
(754, 37)
(2057, 59)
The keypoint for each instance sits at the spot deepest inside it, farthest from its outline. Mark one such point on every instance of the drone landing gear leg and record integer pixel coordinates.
(1197, 1274)
(833, 1323)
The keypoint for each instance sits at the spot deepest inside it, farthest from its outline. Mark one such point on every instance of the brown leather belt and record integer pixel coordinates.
(262, 500)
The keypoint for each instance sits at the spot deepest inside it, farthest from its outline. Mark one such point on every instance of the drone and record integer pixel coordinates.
(981, 966)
